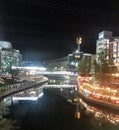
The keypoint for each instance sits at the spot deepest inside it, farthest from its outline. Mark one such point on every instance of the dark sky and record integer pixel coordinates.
(46, 29)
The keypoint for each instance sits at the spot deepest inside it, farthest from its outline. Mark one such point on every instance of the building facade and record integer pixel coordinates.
(9, 56)
(74, 59)
(103, 42)
(111, 46)
(114, 50)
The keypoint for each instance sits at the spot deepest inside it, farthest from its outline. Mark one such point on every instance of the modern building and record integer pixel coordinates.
(88, 58)
(31, 64)
(103, 42)
(110, 44)
(57, 64)
(74, 59)
(114, 50)
(9, 56)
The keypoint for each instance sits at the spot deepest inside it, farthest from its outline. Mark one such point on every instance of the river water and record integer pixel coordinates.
(54, 112)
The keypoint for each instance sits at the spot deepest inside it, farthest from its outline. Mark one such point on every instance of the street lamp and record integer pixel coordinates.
(79, 41)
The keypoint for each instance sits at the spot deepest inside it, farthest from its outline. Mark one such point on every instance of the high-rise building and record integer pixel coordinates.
(114, 50)
(110, 45)
(103, 41)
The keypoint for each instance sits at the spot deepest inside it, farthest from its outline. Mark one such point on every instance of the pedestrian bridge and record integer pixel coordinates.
(60, 86)
(56, 73)
(43, 71)
(35, 94)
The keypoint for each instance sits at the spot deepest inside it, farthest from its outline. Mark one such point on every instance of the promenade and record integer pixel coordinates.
(13, 88)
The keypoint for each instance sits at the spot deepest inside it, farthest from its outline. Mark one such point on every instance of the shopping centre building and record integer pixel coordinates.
(9, 56)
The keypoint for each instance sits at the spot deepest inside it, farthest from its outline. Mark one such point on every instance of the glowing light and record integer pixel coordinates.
(30, 68)
(40, 95)
(24, 98)
(27, 98)
(72, 63)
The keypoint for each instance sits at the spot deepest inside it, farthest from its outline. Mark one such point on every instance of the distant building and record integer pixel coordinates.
(9, 56)
(88, 58)
(110, 44)
(58, 64)
(74, 59)
(103, 42)
(114, 50)
(31, 64)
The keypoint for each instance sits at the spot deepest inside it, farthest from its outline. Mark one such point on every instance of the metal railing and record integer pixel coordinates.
(12, 88)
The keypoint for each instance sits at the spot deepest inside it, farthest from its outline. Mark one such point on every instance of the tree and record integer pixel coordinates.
(103, 68)
(5, 124)
(84, 66)
(14, 72)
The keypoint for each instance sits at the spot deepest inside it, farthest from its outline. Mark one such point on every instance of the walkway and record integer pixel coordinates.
(10, 89)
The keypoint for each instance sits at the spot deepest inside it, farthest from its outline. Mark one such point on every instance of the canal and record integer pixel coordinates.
(52, 111)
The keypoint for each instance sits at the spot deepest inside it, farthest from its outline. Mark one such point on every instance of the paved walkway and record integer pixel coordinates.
(10, 89)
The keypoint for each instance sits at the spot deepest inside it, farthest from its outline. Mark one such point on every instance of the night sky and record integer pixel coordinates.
(47, 29)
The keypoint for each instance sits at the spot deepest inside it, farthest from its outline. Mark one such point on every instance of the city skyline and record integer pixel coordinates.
(44, 30)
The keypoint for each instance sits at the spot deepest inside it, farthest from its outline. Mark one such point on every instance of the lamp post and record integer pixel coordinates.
(77, 114)
(79, 41)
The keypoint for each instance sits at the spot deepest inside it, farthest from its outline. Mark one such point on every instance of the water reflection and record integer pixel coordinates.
(100, 119)
(54, 80)
(101, 115)
(96, 118)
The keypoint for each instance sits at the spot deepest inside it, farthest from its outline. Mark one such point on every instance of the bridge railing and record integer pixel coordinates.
(57, 72)
(20, 86)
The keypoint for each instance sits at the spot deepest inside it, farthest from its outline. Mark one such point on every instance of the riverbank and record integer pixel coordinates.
(11, 89)
(53, 112)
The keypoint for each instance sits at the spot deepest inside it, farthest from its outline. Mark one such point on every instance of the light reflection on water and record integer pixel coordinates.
(61, 81)
(102, 116)
(95, 118)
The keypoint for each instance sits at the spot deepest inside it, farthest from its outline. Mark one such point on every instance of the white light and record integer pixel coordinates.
(76, 51)
(72, 63)
(30, 68)
(24, 98)
(76, 64)
(40, 95)
(27, 98)
(101, 36)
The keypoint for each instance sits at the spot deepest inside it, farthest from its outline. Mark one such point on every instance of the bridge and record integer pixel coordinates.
(44, 71)
(34, 94)
(56, 73)
(60, 86)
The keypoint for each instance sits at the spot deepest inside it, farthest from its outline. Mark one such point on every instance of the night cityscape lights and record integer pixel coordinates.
(99, 92)
(101, 114)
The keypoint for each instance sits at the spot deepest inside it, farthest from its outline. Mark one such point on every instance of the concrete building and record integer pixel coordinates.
(57, 64)
(103, 42)
(110, 44)
(114, 50)
(9, 56)
(74, 59)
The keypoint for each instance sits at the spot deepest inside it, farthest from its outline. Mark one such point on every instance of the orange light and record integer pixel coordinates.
(79, 40)
(78, 115)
